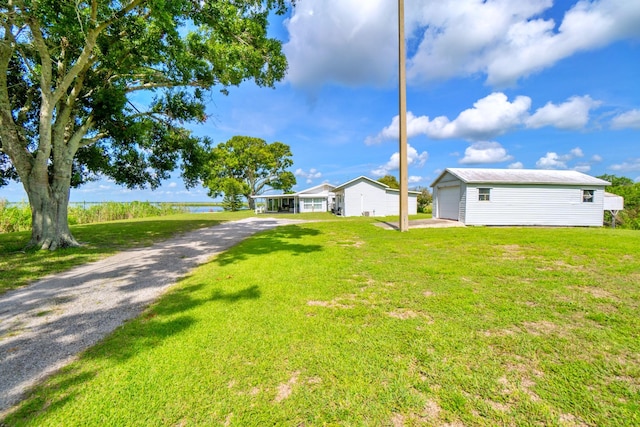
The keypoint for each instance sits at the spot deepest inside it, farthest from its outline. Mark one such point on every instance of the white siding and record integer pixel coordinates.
(413, 204)
(553, 205)
(363, 197)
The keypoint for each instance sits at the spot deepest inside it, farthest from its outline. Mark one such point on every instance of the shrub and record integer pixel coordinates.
(16, 217)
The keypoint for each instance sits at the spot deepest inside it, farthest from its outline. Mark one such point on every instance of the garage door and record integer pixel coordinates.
(449, 202)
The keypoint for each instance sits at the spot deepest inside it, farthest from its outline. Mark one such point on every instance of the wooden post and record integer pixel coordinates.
(402, 89)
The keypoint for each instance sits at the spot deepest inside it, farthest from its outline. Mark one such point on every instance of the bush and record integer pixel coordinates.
(15, 217)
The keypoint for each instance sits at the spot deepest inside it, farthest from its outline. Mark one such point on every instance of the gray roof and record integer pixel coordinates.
(370, 181)
(522, 176)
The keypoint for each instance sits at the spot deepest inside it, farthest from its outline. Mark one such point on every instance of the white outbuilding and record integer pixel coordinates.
(519, 197)
(364, 196)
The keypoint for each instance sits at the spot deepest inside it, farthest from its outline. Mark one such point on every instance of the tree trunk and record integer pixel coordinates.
(252, 203)
(49, 222)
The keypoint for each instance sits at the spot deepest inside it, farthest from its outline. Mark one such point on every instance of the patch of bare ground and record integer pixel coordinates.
(351, 243)
(596, 292)
(570, 420)
(431, 410)
(522, 380)
(542, 327)
(429, 416)
(285, 389)
(512, 252)
(330, 304)
(498, 406)
(405, 314)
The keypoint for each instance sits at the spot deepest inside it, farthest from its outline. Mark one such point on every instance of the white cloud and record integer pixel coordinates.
(413, 159)
(582, 167)
(516, 165)
(628, 120)
(415, 179)
(172, 185)
(596, 158)
(577, 152)
(572, 114)
(628, 166)
(554, 160)
(308, 176)
(415, 126)
(490, 116)
(354, 42)
(343, 41)
(551, 161)
(485, 153)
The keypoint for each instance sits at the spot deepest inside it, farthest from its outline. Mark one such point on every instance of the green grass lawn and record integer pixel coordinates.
(344, 323)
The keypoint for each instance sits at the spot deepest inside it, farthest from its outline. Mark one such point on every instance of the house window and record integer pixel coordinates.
(587, 196)
(483, 194)
(312, 204)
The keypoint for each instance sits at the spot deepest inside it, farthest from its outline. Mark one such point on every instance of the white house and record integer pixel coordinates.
(315, 199)
(519, 197)
(365, 196)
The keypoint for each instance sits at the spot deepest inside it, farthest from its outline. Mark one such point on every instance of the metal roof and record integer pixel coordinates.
(521, 176)
(371, 181)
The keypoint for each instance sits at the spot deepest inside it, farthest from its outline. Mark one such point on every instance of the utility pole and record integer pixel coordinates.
(402, 89)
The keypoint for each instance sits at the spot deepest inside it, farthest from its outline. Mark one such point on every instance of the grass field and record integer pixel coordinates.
(344, 323)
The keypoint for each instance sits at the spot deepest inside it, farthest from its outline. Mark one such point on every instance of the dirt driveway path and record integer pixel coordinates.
(45, 325)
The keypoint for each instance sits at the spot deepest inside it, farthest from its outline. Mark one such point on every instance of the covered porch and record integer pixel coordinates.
(277, 203)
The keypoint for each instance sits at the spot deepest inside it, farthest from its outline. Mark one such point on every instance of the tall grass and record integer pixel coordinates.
(113, 211)
(17, 217)
(14, 217)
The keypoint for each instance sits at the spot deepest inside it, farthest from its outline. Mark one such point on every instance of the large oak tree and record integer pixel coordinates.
(69, 74)
(249, 166)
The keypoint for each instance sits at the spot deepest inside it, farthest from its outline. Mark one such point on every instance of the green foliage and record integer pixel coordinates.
(232, 200)
(425, 199)
(247, 166)
(113, 211)
(15, 217)
(138, 48)
(625, 187)
(390, 180)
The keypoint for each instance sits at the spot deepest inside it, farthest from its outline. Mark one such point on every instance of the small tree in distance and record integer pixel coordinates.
(389, 180)
(425, 198)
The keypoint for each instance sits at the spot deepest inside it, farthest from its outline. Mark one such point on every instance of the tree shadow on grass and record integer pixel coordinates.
(277, 240)
(151, 329)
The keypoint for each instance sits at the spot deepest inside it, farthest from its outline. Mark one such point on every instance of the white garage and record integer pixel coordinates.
(367, 197)
(519, 197)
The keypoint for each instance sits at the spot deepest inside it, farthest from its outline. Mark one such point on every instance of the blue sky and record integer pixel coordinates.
(500, 84)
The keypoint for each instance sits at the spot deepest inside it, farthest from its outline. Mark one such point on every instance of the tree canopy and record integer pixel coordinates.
(390, 180)
(69, 74)
(630, 190)
(249, 166)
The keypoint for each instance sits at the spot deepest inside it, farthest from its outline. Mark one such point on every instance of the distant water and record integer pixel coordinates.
(204, 209)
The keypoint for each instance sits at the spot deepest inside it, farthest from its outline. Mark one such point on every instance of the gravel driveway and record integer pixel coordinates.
(45, 325)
